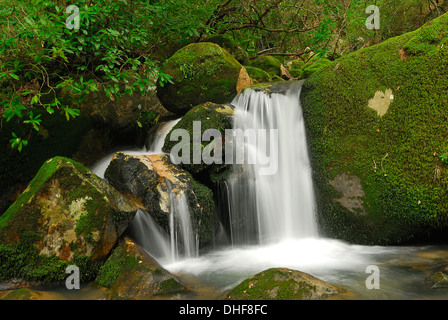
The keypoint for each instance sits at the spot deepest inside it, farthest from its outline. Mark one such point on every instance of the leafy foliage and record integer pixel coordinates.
(45, 65)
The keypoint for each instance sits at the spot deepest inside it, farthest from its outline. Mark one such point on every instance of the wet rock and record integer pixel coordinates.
(121, 115)
(282, 284)
(22, 294)
(152, 180)
(352, 193)
(67, 215)
(209, 116)
(131, 273)
(202, 72)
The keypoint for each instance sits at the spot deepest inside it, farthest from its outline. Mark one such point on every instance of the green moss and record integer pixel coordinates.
(23, 261)
(430, 38)
(272, 284)
(403, 198)
(46, 171)
(316, 65)
(170, 286)
(296, 64)
(258, 74)
(119, 262)
(296, 73)
(228, 44)
(22, 294)
(211, 116)
(203, 215)
(19, 226)
(269, 64)
(202, 72)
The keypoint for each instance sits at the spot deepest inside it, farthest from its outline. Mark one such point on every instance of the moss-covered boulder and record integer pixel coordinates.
(231, 46)
(295, 64)
(258, 75)
(205, 116)
(376, 122)
(66, 216)
(153, 180)
(314, 65)
(282, 284)
(121, 114)
(202, 72)
(131, 273)
(269, 64)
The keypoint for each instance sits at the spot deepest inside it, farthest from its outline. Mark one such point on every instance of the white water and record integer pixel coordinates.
(275, 207)
(180, 242)
(273, 225)
(184, 243)
(155, 147)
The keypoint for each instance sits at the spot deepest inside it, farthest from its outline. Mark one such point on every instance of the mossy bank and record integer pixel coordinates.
(376, 122)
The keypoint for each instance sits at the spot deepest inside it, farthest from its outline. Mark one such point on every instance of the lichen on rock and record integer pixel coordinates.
(67, 215)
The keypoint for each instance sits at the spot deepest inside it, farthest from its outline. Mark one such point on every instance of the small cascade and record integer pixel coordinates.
(183, 242)
(154, 145)
(149, 235)
(180, 243)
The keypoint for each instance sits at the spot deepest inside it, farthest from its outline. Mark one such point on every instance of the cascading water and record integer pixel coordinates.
(153, 146)
(184, 243)
(271, 213)
(278, 206)
(180, 242)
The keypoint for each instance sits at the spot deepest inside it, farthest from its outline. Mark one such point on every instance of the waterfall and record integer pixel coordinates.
(180, 242)
(184, 243)
(267, 208)
(154, 145)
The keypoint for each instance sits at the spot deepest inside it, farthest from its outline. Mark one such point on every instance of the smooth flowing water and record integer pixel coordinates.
(153, 145)
(180, 242)
(277, 204)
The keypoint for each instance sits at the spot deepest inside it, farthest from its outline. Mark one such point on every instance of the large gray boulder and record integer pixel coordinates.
(154, 181)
